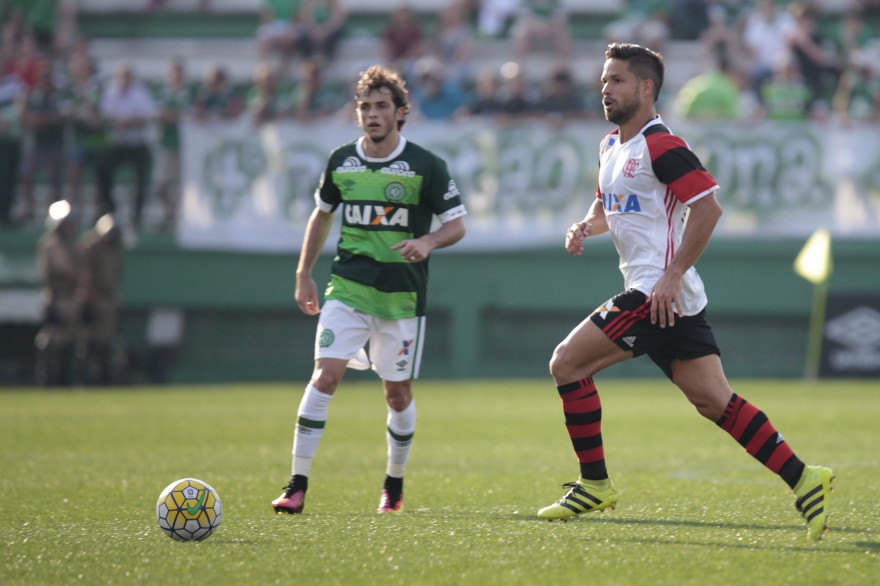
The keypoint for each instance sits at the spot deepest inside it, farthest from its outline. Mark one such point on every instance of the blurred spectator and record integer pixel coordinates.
(26, 62)
(561, 96)
(689, 18)
(711, 96)
(12, 93)
(858, 92)
(62, 273)
(850, 35)
(88, 148)
(516, 97)
(216, 98)
(321, 23)
(156, 4)
(766, 35)
(785, 96)
(264, 102)
(128, 108)
(14, 28)
(435, 96)
(312, 97)
(44, 123)
(643, 23)
(486, 102)
(40, 17)
(494, 16)
(278, 31)
(452, 44)
(102, 256)
(173, 100)
(402, 40)
(816, 63)
(541, 20)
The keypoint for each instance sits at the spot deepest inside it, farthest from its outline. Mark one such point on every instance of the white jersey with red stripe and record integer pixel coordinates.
(646, 185)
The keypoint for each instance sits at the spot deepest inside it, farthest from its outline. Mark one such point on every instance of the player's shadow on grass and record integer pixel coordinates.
(869, 545)
(699, 524)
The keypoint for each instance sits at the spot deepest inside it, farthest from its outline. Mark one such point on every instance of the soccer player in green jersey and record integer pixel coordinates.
(388, 190)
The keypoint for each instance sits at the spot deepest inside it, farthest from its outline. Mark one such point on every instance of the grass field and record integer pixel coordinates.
(80, 473)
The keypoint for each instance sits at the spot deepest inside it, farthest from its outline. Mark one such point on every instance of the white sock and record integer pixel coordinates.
(401, 426)
(310, 419)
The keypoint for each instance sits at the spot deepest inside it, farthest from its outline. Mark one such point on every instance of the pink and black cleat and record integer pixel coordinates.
(391, 502)
(292, 500)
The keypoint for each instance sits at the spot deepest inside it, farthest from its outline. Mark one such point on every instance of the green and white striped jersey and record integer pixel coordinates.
(384, 201)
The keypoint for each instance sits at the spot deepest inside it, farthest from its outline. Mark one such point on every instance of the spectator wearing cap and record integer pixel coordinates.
(561, 97)
(128, 107)
(435, 96)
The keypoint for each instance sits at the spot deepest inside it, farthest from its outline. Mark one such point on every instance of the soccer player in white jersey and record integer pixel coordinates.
(388, 190)
(658, 202)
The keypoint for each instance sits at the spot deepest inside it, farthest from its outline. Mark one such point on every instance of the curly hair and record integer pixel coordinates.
(642, 62)
(379, 77)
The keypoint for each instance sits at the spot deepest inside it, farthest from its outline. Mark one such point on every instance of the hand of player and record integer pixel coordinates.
(574, 238)
(665, 299)
(414, 250)
(307, 296)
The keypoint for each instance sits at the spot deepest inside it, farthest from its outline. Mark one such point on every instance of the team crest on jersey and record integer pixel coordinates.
(395, 191)
(399, 168)
(373, 215)
(629, 170)
(609, 307)
(326, 338)
(351, 165)
(619, 202)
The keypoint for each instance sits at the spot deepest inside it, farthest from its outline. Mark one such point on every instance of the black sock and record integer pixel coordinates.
(394, 485)
(299, 482)
(594, 470)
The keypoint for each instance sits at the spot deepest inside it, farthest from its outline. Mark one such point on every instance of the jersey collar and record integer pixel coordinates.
(394, 154)
(656, 120)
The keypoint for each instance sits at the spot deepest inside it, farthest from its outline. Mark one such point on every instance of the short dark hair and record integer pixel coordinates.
(377, 77)
(643, 62)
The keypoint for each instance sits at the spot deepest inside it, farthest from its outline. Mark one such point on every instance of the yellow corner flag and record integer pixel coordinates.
(815, 265)
(814, 261)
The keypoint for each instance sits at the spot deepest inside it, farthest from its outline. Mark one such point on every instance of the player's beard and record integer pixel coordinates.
(380, 138)
(624, 111)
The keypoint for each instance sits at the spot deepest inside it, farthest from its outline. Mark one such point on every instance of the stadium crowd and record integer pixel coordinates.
(64, 119)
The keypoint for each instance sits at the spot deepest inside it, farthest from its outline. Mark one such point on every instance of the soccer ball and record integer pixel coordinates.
(188, 510)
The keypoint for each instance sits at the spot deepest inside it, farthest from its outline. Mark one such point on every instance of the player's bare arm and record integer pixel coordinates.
(418, 249)
(593, 224)
(316, 234)
(704, 215)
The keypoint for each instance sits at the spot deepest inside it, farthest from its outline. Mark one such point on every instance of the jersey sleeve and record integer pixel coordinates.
(444, 198)
(677, 166)
(327, 196)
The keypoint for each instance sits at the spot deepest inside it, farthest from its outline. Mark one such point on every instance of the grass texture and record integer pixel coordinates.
(80, 472)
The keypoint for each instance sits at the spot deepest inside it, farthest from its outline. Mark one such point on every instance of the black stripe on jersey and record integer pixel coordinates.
(387, 277)
(655, 129)
(675, 164)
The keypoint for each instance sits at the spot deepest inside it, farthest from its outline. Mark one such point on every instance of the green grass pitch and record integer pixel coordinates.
(80, 473)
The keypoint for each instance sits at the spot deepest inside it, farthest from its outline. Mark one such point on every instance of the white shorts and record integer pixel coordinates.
(395, 344)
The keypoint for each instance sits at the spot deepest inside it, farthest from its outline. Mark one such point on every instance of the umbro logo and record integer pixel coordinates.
(402, 363)
(630, 340)
(351, 165)
(451, 191)
(399, 168)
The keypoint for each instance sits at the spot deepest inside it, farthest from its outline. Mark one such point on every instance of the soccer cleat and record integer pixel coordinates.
(391, 502)
(813, 494)
(292, 500)
(583, 497)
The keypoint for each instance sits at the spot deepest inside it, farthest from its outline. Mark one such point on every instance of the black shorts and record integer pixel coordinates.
(626, 319)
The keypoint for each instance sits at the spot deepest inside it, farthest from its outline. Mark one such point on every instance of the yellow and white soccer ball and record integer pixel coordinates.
(189, 510)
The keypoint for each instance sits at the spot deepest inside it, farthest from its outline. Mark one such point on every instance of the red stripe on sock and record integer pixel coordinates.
(589, 456)
(581, 431)
(780, 456)
(761, 436)
(747, 412)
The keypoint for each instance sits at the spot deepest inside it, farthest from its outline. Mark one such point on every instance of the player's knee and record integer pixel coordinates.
(325, 381)
(398, 395)
(562, 364)
(710, 409)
